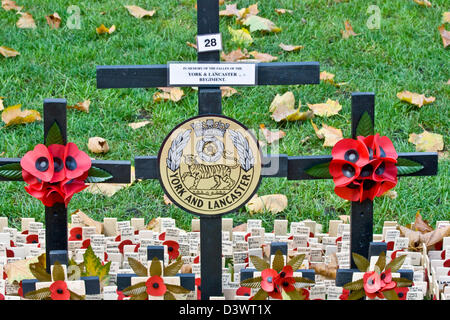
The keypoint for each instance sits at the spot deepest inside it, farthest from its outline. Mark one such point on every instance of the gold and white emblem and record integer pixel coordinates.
(210, 165)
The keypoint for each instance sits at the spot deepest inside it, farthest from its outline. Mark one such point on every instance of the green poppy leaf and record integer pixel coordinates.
(260, 264)
(355, 285)
(54, 135)
(155, 267)
(96, 175)
(361, 263)
(396, 264)
(365, 125)
(296, 261)
(173, 268)
(381, 262)
(58, 272)
(140, 296)
(169, 296)
(11, 171)
(402, 282)
(177, 289)
(40, 294)
(40, 273)
(356, 295)
(138, 268)
(406, 166)
(74, 296)
(278, 261)
(135, 289)
(254, 283)
(260, 295)
(320, 170)
(390, 295)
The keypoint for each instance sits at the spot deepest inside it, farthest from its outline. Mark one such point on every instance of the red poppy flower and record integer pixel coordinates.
(447, 263)
(120, 295)
(5, 276)
(105, 257)
(85, 244)
(363, 168)
(162, 236)
(438, 246)
(172, 249)
(386, 281)
(76, 162)
(155, 286)
(285, 279)
(71, 186)
(269, 278)
(394, 254)
(390, 245)
(243, 291)
(118, 238)
(38, 163)
(12, 244)
(196, 259)
(2, 297)
(304, 292)
(345, 294)
(401, 292)
(136, 249)
(32, 238)
(76, 234)
(57, 152)
(59, 291)
(20, 291)
(122, 244)
(248, 235)
(276, 293)
(443, 254)
(372, 283)
(198, 283)
(9, 253)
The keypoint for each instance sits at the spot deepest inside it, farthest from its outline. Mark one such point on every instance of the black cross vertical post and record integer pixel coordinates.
(209, 102)
(56, 237)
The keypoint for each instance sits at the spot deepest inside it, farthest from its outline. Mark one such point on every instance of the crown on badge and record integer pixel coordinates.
(209, 128)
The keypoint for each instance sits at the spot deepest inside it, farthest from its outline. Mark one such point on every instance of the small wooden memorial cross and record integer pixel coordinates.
(56, 236)
(209, 103)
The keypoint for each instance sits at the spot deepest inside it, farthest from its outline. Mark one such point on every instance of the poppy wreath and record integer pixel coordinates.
(377, 283)
(154, 285)
(55, 171)
(366, 167)
(277, 281)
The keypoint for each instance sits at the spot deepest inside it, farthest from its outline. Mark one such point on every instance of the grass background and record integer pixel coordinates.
(406, 53)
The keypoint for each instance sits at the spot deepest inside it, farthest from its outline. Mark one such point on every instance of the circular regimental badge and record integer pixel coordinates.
(210, 165)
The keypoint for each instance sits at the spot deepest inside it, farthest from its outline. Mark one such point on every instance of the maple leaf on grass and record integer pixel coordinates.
(445, 35)
(109, 189)
(53, 20)
(241, 36)
(446, 17)
(423, 3)
(326, 109)
(8, 52)
(348, 32)
(98, 145)
(290, 48)
(263, 57)
(427, 141)
(273, 203)
(230, 10)
(257, 23)
(102, 29)
(168, 93)
(10, 5)
(271, 136)
(26, 21)
(283, 11)
(228, 91)
(415, 98)
(330, 134)
(235, 55)
(137, 125)
(283, 109)
(139, 12)
(14, 115)
(81, 106)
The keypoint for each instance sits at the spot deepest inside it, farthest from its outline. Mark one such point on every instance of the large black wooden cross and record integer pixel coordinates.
(209, 102)
(56, 237)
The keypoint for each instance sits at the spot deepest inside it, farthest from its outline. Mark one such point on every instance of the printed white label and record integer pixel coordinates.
(212, 74)
(209, 42)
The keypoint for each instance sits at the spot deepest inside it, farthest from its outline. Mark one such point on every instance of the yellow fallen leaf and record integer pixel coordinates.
(81, 106)
(348, 32)
(427, 141)
(415, 98)
(53, 20)
(257, 23)
(445, 35)
(327, 77)
(289, 48)
(263, 57)
(273, 203)
(326, 109)
(13, 115)
(247, 12)
(139, 12)
(137, 125)
(109, 189)
(228, 91)
(98, 145)
(230, 10)
(446, 17)
(89, 222)
(169, 93)
(102, 29)
(235, 55)
(26, 21)
(330, 134)
(283, 109)
(283, 11)
(423, 3)
(10, 5)
(8, 52)
(154, 224)
(271, 136)
(241, 36)
(20, 270)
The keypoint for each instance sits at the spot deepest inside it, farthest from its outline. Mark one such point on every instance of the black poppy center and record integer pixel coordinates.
(285, 284)
(348, 170)
(400, 294)
(380, 169)
(370, 281)
(383, 276)
(382, 153)
(282, 274)
(351, 155)
(34, 241)
(370, 153)
(60, 291)
(42, 164)
(353, 186)
(269, 279)
(58, 164)
(366, 170)
(78, 236)
(246, 294)
(368, 184)
(71, 163)
(170, 249)
(156, 285)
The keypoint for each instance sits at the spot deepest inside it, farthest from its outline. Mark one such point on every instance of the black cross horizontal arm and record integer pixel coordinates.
(294, 167)
(152, 76)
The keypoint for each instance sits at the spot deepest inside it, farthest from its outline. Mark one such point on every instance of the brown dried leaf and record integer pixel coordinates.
(139, 12)
(326, 270)
(416, 238)
(102, 29)
(327, 77)
(26, 21)
(330, 134)
(13, 115)
(415, 98)
(423, 3)
(230, 10)
(109, 189)
(20, 270)
(169, 93)
(326, 109)
(445, 35)
(273, 203)
(228, 91)
(289, 48)
(137, 125)
(192, 45)
(10, 5)
(240, 228)
(81, 106)
(98, 145)
(8, 52)
(348, 30)
(421, 225)
(427, 141)
(89, 222)
(263, 57)
(271, 136)
(283, 11)
(235, 55)
(282, 108)
(154, 225)
(53, 20)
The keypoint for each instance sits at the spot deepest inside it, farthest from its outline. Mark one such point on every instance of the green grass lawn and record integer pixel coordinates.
(406, 53)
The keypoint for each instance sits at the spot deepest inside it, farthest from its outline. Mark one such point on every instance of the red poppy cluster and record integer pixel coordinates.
(273, 282)
(363, 168)
(375, 283)
(155, 286)
(56, 173)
